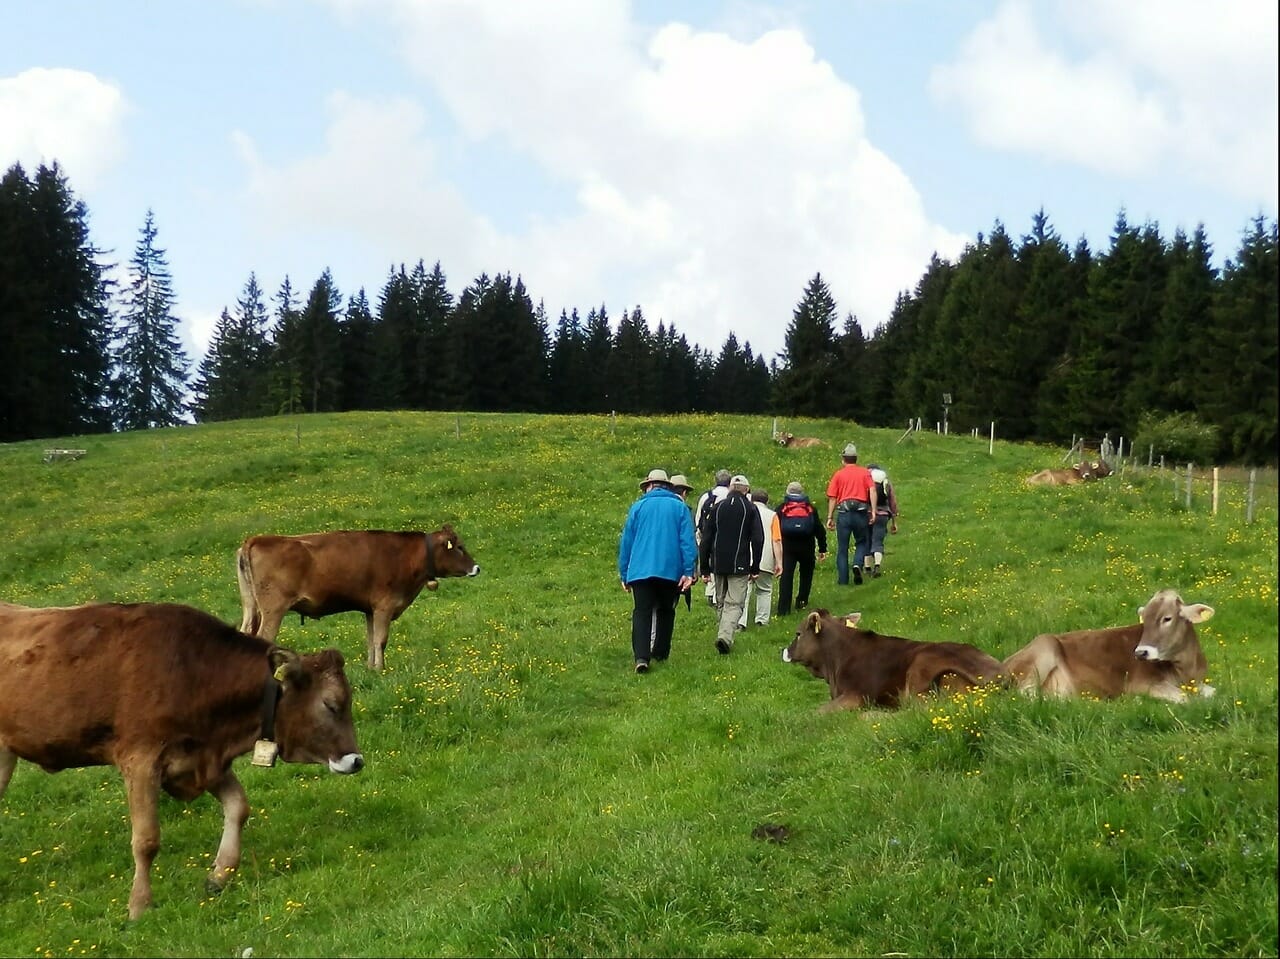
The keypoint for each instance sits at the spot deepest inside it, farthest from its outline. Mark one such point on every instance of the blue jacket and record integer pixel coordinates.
(657, 539)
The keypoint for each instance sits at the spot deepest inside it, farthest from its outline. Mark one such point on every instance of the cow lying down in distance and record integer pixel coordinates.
(168, 695)
(864, 668)
(1158, 656)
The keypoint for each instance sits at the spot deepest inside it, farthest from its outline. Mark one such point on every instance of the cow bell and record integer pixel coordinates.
(433, 584)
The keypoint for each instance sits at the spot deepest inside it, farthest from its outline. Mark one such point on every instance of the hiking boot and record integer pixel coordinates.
(875, 572)
(723, 646)
(642, 665)
(857, 576)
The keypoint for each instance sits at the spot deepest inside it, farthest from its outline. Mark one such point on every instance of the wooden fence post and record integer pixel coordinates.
(1215, 491)
(991, 446)
(1188, 486)
(1248, 510)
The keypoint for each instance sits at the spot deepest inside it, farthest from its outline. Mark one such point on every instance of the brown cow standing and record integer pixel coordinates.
(374, 572)
(864, 668)
(1157, 656)
(169, 695)
(791, 441)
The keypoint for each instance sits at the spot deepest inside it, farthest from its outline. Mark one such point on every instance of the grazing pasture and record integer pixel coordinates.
(527, 794)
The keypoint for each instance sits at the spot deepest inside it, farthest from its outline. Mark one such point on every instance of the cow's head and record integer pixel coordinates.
(1100, 468)
(448, 556)
(1167, 625)
(313, 718)
(785, 438)
(807, 648)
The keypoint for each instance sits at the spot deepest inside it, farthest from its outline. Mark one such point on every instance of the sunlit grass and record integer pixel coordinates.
(527, 794)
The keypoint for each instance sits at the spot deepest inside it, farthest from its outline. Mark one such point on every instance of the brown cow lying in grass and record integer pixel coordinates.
(863, 668)
(1062, 477)
(1158, 656)
(791, 441)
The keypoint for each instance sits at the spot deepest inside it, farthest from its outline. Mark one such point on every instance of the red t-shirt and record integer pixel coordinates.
(851, 481)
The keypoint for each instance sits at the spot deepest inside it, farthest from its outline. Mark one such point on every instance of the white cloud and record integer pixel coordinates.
(69, 116)
(1162, 87)
(711, 176)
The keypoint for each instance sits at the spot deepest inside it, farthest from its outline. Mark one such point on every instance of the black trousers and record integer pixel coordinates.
(793, 555)
(655, 605)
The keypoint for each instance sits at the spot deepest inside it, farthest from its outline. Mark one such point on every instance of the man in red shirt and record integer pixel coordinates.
(851, 509)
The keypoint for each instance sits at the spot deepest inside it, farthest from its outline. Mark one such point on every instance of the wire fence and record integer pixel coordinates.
(1246, 491)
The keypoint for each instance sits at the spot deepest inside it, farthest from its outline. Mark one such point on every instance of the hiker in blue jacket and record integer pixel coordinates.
(656, 562)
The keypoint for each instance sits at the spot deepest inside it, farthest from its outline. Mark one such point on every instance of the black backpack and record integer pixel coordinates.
(796, 518)
(708, 505)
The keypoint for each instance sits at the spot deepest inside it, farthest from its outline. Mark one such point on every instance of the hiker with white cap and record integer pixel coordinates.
(731, 547)
(657, 559)
(851, 509)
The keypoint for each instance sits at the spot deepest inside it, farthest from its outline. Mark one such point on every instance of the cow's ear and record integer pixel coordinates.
(852, 619)
(286, 665)
(814, 622)
(1196, 612)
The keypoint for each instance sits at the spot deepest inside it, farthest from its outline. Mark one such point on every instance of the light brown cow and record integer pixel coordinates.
(864, 668)
(1158, 656)
(791, 441)
(169, 695)
(374, 572)
(1079, 473)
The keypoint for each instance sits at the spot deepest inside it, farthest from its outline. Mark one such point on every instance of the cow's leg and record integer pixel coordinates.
(844, 701)
(269, 621)
(248, 602)
(235, 810)
(8, 760)
(142, 787)
(377, 629)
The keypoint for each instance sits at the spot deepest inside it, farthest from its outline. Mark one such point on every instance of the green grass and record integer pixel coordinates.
(527, 794)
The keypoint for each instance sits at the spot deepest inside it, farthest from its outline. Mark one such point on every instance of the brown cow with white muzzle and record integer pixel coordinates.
(374, 572)
(864, 668)
(793, 442)
(168, 695)
(1158, 656)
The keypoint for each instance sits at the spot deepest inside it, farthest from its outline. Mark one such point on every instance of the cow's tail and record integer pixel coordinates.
(252, 616)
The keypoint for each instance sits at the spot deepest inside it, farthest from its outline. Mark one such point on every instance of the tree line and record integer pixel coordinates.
(1044, 340)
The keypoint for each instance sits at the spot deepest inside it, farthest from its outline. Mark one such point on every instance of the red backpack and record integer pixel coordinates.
(796, 518)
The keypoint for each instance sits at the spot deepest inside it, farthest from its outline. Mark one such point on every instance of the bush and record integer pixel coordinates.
(1178, 437)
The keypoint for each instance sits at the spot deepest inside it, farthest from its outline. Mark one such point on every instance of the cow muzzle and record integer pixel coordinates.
(1147, 652)
(475, 570)
(786, 654)
(350, 763)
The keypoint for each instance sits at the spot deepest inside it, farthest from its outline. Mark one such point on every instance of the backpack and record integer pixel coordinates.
(709, 502)
(796, 518)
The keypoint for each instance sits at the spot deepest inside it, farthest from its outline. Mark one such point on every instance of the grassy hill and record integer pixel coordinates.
(527, 794)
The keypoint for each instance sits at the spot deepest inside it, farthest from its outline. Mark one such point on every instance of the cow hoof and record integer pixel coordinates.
(433, 584)
(1207, 691)
(213, 886)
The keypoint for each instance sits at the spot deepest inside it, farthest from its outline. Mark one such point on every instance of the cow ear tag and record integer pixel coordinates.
(850, 623)
(264, 753)
(280, 673)
(448, 544)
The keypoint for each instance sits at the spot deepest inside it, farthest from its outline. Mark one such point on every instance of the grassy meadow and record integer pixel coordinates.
(526, 794)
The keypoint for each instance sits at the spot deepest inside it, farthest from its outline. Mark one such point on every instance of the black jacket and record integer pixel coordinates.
(732, 538)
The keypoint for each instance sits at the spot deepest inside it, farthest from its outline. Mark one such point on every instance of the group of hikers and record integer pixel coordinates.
(738, 544)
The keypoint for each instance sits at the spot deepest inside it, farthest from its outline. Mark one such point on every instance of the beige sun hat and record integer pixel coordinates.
(679, 482)
(655, 476)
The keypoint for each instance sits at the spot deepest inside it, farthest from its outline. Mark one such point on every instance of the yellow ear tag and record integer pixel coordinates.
(448, 544)
(850, 623)
(281, 671)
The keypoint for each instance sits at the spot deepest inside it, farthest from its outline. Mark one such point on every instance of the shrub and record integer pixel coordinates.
(1179, 437)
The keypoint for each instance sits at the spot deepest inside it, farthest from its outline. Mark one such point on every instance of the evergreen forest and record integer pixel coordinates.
(1146, 339)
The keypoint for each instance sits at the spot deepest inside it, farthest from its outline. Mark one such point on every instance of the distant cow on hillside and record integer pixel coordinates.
(375, 572)
(1079, 473)
(791, 441)
(1158, 655)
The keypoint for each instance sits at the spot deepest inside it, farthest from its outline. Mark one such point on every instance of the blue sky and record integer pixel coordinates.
(702, 159)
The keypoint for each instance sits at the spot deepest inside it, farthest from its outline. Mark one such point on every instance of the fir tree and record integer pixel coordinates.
(809, 365)
(151, 366)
